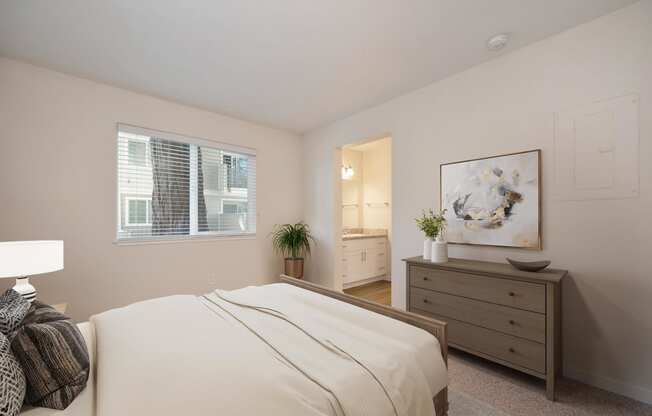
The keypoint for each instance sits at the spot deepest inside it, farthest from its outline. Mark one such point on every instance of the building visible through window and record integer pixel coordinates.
(137, 152)
(233, 214)
(236, 171)
(139, 211)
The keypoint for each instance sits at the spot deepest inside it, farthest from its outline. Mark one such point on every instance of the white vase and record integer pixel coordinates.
(439, 252)
(427, 248)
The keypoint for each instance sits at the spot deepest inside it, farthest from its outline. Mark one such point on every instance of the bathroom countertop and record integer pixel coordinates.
(358, 236)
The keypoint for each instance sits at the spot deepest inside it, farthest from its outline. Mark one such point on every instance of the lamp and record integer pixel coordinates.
(347, 172)
(21, 259)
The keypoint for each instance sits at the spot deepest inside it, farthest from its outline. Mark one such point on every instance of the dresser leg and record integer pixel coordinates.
(550, 388)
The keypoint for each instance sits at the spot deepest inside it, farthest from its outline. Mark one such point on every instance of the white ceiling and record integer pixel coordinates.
(293, 64)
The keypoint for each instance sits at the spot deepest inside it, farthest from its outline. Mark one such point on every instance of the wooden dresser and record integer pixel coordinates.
(494, 311)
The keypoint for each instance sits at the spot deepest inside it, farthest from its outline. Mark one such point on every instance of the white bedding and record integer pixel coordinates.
(306, 354)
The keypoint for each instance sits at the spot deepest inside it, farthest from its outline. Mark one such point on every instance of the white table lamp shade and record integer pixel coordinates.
(21, 259)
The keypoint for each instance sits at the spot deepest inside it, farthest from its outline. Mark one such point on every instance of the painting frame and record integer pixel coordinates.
(539, 240)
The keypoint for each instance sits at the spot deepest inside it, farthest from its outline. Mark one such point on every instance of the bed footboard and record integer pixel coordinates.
(441, 403)
(436, 328)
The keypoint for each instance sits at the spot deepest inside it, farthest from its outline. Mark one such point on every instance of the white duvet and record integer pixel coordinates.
(269, 350)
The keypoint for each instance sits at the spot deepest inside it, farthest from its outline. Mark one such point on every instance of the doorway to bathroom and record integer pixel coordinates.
(366, 225)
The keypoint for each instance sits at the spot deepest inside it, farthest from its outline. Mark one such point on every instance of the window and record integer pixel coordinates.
(137, 152)
(236, 171)
(139, 211)
(172, 186)
(234, 214)
(234, 207)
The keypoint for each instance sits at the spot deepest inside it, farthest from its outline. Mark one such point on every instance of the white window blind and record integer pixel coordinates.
(171, 186)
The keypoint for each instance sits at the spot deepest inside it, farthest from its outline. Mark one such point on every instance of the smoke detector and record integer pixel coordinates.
(497, 42)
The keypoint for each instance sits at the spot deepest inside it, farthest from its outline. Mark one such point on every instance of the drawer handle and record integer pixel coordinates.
(512, 350)
(426, 279)
(512, 322)
(512, 294)
(381, 254)
(426, 301)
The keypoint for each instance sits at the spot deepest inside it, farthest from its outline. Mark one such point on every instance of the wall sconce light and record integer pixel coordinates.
(347, 172)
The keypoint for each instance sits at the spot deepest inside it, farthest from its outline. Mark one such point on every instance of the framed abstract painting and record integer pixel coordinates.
(493, 201)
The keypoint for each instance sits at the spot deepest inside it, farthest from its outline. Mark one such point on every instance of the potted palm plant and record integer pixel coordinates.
(293, 242)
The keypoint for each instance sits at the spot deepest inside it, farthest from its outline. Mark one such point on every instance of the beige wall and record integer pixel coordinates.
(507, 105)
(58, 181)
(376, 184)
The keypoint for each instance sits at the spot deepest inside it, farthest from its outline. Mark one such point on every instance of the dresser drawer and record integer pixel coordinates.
(513, 293)
(517, 322)
(518, 351)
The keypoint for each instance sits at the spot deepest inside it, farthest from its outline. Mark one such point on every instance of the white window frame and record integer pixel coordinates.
(148, 215)
(194, 235)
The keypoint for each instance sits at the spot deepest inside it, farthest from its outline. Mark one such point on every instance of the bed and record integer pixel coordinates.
(291, 348)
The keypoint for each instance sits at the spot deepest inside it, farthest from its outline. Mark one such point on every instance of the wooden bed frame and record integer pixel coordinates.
(436, 328)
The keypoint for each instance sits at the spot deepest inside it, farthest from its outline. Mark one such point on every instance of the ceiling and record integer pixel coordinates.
(292, 64)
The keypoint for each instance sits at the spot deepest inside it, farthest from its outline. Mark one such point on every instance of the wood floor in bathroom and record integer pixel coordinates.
(380, 292)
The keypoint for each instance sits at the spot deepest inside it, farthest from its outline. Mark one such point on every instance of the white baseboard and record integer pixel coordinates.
(606, 383)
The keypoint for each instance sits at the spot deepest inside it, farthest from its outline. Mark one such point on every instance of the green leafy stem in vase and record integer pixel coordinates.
(432, 224)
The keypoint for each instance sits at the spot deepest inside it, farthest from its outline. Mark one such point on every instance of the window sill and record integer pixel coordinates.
(181, 239)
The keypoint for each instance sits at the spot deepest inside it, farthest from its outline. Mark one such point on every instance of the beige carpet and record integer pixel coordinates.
(480, 388)
(461, 404)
